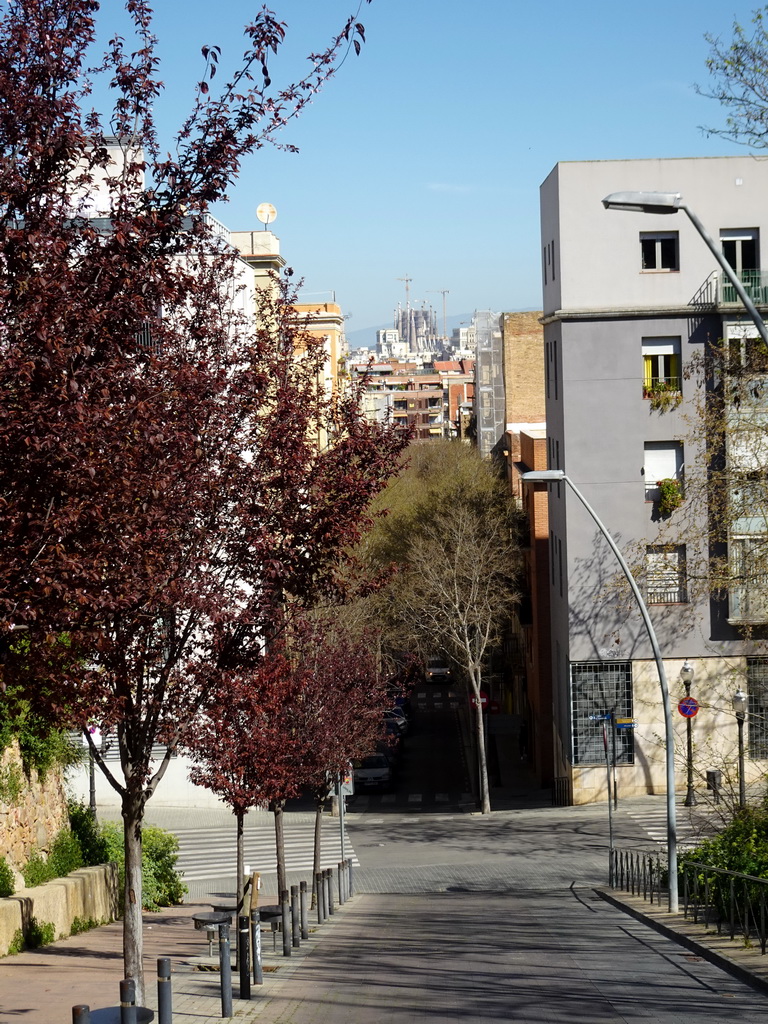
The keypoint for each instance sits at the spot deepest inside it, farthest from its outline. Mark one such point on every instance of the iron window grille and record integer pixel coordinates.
(599, 687)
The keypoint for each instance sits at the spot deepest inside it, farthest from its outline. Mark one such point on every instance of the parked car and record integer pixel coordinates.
(373, 772)
(401, 701)
(399, 719)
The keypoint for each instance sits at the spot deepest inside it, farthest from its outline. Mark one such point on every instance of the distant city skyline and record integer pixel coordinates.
(424, 155)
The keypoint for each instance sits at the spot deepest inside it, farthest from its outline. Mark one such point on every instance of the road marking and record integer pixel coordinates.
(211, 852)
(441, 798)
(414, 798)
(388, 798)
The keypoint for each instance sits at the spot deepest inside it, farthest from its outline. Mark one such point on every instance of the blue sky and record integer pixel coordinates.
(424, 156)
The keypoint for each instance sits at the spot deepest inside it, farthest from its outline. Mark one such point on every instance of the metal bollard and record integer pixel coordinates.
(324, 886)
(164, 1000)
(329, 879)
(286, 922)
(340, 882)
(319, 896)
(244, 957)
(225, 970)
(295, 934)
(303, 910)
(351, 885)
(127, 1001)
(81, 1014)
(258, 974)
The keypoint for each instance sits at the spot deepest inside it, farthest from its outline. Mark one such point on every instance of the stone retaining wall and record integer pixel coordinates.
(34, 821)
(90, 894)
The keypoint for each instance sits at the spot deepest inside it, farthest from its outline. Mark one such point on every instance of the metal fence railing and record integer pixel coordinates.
(639, 872)
(727, 899)
(715, 897)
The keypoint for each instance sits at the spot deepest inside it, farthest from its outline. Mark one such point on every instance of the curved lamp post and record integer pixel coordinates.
(552, 476)
(739, 702)
(686, 677)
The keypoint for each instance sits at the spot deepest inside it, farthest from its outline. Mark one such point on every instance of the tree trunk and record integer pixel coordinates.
(133, 937)
(240, 861)
(482, 761)
(277, 810)
(318, 846)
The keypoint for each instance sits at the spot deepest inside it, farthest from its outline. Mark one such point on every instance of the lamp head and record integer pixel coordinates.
(542, 476)
(644, 202)
(687, 673)
(739, 701)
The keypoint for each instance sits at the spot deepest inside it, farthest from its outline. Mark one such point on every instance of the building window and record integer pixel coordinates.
(665, 574)
(748, 579)
(741, 247)
(661, 366)
(757, 708)
(659, 250)
(663, 461)
(599, 688)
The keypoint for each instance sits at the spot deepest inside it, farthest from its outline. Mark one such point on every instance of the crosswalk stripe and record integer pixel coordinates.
(211, 853)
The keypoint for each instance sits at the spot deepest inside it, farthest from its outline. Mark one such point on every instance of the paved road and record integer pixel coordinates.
(531, 957)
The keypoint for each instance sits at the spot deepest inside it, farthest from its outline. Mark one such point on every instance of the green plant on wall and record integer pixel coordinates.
(663, 395)
(7, 886)
(670, 496)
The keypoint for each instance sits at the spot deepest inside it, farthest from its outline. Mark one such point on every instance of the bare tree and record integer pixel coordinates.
(459, 590)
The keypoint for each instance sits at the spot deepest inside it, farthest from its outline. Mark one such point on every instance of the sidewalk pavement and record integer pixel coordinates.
(41, 987)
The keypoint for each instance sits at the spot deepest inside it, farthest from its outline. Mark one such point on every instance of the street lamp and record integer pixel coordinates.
(554, 475)
(686, 677)
(671, 202)
(739, 702)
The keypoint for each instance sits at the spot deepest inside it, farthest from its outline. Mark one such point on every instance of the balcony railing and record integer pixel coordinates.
(661, 385)
(755, 285)
(673, 594)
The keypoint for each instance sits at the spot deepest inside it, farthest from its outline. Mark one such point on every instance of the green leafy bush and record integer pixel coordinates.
(741, 846)
(65, 856)
(39, 933)
(42, 747)
(7, 887)
(161, 882)
(36, 871)
(93, 844)
(84, 924)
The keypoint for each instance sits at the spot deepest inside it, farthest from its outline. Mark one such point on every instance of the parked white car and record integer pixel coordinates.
(373, 772)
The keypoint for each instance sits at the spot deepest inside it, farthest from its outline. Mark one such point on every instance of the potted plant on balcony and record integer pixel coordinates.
(670, 496)
(663, 394)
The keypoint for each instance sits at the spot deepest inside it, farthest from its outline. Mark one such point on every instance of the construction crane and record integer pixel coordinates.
(443, 292)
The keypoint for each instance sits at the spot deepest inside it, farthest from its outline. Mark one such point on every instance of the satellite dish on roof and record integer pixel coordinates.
(266, 213)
